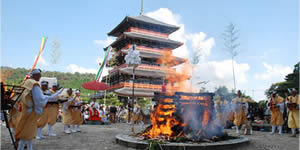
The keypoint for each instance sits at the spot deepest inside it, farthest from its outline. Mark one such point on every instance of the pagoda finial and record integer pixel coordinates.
(142, 8)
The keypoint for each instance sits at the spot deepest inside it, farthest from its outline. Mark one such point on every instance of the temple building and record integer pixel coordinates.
(151, 38)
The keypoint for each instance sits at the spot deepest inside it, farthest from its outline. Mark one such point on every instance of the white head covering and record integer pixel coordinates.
(54, 84)
(77, 91)
(35, 71)
(44, 83)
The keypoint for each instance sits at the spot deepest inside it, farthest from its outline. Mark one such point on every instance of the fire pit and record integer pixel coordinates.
(139, 143)
(183, 120)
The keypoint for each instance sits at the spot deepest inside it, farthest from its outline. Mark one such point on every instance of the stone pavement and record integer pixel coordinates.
(102, 137)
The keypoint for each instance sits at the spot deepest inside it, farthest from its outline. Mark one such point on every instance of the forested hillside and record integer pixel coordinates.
(66, 80)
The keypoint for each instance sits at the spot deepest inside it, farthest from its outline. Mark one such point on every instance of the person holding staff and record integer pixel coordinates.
(276, 105)
(42, 121)
(67, 110)
(77, 118)
(293, 105)
(240, 106)
(32, 103)
(53, 109)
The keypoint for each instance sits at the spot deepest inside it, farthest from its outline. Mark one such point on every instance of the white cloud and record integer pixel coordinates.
(75, 68)
(219, 73)
(104, 43)
(201, 44)
(197, 39)
(41, 60)
(216, 72)
(165, 15)
(273, 72)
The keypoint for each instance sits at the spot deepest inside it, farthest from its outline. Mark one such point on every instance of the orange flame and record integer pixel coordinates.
(162, 118)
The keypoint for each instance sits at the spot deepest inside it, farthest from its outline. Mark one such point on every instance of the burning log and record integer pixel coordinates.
(174, 117)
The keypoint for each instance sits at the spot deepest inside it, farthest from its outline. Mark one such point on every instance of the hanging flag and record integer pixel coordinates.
(43, 43)
(97, 78)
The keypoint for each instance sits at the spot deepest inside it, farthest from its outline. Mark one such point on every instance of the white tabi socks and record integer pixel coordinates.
(73, 128)
(39, 132)
(273, 129)
(50, 130)
(293, 132)
(280, 130)
(13, 133)
(67, 129)
(21, 145)
(236, 129)
(29, 145)
(77, 128)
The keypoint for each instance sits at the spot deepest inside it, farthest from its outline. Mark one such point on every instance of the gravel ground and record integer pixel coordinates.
(102, 137)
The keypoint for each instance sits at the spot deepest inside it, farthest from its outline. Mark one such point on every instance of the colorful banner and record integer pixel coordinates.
(103, 64)
(43, 43)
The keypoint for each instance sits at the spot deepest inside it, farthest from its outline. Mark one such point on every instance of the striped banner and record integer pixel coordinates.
(103, 64)
(43, 43)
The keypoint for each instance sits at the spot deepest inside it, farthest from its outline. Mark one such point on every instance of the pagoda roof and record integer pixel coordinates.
(117, 31)
(135, 35)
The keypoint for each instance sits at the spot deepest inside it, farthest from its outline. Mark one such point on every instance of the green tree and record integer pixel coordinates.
(112, 99)
(144, 102)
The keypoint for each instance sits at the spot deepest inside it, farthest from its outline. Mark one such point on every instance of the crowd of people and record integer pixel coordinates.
(115, 114)
(40, 106)
(281, 112)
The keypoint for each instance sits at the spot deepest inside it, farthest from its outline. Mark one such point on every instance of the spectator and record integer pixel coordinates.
(112, 114)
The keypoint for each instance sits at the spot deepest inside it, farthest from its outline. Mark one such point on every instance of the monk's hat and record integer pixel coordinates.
(35, 71)
(44, 83)
(55, 84)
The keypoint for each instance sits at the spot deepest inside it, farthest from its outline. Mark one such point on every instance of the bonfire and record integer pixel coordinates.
(180, 114)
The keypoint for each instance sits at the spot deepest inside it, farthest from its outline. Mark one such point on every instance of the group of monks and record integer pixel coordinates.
(277, 103)
(237, 111)
(39, 106)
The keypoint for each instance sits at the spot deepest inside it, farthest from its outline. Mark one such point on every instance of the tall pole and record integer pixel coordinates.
(133, 77)
(233, 74)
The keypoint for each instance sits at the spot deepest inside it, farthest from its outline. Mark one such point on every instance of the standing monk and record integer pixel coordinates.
(32, 103)
(293, 104)
(220, 112)
(53, 109)
(42, 121)
(77, 118)
(240, 109)
(67, 114)
(276, 105)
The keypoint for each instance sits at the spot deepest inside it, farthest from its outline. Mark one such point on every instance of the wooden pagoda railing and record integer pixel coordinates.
(143, 48)
(137, 85)
(147, 32)
(146, 67)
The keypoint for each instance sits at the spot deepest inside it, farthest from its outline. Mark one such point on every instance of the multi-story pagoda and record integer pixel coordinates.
(152, 40)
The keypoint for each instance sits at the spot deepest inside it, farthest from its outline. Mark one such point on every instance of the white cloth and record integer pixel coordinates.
(66, 104)
(40, 100)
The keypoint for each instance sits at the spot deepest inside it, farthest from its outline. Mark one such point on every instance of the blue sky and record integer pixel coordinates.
(268, 30)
